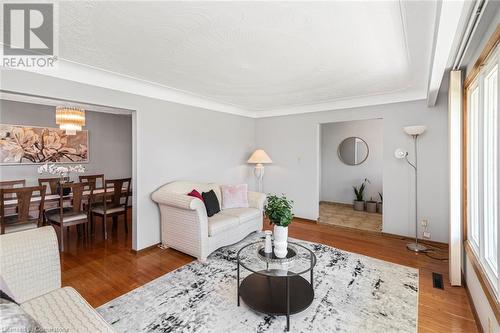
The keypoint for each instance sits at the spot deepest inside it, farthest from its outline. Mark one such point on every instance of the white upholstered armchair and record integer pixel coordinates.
(186, 227)
(31, 276)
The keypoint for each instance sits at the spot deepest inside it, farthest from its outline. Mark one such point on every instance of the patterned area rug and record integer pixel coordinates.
(353, 293)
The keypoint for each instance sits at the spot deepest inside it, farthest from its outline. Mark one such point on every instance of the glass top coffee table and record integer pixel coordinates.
(276, 286)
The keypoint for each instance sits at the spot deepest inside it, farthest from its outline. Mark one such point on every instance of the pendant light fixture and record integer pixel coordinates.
(70, 119)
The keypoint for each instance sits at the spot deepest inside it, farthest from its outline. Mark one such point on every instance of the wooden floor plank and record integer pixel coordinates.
(102, 271)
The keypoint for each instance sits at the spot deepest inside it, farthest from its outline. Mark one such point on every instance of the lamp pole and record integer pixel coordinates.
(415, 246)
(259, 174)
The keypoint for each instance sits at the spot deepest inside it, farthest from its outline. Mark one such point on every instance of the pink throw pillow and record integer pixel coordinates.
(234, 196)
(196, 194)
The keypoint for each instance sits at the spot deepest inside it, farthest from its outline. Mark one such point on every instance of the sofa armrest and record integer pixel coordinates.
(256, 200)
(29, 263)
(184, 223)
(177, 200)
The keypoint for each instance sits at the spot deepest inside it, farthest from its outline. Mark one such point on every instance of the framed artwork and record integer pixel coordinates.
(21, 144)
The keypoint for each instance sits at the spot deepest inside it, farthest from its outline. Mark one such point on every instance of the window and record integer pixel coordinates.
(474, 167)
(483, 169)
(490, 169)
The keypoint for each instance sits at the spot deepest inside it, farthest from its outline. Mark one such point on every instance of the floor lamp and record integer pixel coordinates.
(415, 132)
(259, 158)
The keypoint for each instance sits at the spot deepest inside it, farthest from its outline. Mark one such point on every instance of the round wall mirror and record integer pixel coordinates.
(353, 151)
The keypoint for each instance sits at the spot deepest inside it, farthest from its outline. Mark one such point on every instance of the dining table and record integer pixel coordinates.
(52, 200)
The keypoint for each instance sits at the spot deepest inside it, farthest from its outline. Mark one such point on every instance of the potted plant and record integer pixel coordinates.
(359, 193)
(379, 204)
(371, 206)
(279, 212)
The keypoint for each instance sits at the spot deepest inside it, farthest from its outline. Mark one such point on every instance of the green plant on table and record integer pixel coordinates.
(278, 210)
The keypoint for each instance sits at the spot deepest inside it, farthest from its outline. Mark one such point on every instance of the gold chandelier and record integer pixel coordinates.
(70, 119)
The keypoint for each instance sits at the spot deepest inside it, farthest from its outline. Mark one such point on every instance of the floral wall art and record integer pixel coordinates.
(21, 144)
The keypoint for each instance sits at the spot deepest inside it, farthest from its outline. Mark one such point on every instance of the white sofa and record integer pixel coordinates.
(186, 227)
(31, 276)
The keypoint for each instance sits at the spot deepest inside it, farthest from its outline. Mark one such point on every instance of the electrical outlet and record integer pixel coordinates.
(427, 234)
(424, 223)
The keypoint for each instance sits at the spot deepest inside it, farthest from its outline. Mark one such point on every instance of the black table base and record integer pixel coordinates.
(276, 295)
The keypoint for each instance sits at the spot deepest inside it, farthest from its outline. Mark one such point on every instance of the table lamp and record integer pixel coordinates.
(259, 158)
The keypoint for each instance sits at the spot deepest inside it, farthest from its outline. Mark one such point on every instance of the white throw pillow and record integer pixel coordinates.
(234, 196)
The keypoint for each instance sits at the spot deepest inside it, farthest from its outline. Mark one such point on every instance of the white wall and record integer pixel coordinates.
(180, 142)
(110, 140)
(293, 144)
(170, 142)
(485, 313)
(338, 178)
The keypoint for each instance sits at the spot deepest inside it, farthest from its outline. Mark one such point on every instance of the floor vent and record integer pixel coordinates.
(437, 280)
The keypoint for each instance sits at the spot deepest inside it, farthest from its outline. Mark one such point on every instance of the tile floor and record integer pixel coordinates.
(345, 216)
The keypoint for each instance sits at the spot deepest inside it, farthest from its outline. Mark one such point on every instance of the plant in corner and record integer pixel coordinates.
(359, 192)
(371, 206)
(380, 203)
(279, 212)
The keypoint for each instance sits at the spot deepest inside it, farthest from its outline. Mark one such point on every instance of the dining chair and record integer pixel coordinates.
(65, 216)
(114, 203)
(92, 179)
(13, 183)
(92, 182)
(51, 183)
(20, 219)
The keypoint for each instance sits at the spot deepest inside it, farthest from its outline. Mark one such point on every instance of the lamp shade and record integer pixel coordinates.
(259, 156)
(414, 130)
(400, 153)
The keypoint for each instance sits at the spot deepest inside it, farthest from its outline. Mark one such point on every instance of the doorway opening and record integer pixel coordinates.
(102, 153)
(351, 170)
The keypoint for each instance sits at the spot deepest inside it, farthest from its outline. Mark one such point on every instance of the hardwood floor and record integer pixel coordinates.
(102, 271)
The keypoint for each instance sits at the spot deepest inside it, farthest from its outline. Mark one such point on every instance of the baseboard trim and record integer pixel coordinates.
(421, 240)
(305, 220)
(336, 203)
(144, 249)
(472, 306)
(437, 244)
(295, 218)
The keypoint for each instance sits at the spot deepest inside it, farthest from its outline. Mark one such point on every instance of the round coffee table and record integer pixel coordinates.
(275, 286)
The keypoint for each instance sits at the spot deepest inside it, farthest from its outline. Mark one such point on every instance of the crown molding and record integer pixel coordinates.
(93, 76)
(41, 100)
(406, 95)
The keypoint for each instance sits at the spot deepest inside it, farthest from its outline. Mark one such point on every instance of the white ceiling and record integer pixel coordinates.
(262, 58)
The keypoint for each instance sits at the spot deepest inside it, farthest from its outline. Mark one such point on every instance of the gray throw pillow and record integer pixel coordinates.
(14, 319)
